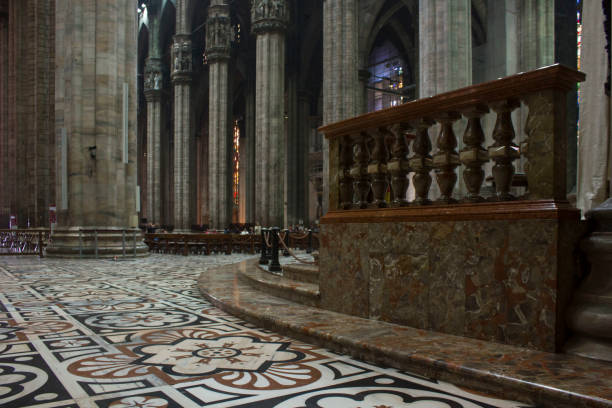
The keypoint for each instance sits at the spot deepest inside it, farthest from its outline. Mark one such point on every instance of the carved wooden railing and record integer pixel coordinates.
(371, 152)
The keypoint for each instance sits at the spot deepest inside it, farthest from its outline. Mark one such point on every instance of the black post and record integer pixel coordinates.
(263, 260)
(274, 264)
(309, 250)
(285, 249)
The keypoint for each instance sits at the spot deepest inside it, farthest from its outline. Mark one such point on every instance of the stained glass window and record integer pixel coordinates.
(236, 164)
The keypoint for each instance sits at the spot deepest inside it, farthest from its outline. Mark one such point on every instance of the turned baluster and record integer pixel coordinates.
(474, 155)
(421, 162)
(399, 166)
(503, 152)
(345, 180)
(377, 169)
(446, 159)
(359, 171)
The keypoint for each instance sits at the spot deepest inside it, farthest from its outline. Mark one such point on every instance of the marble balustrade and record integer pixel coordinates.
(501, 269)
(372, 152)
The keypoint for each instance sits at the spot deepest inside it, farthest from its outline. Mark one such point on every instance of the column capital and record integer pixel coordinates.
(181, 58)
(218, 33)
(269, 16)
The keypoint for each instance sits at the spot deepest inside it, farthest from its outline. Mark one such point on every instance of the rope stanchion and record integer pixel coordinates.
(274, 264)
(293, 254)
(263, 259)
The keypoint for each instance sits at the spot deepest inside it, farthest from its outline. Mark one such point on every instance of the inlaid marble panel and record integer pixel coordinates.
(496, 280)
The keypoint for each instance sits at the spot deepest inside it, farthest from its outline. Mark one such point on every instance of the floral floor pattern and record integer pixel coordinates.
(101, 333)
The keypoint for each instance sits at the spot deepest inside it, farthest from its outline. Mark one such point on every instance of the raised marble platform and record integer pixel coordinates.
(546, 379)
(281, 286)
(302, 273)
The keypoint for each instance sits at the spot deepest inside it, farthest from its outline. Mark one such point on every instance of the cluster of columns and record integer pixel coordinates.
(269, 22)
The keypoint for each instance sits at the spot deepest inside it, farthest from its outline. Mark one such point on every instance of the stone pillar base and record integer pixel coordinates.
(92, 242)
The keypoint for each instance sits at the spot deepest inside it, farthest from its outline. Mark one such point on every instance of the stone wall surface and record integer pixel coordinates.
(506, 281)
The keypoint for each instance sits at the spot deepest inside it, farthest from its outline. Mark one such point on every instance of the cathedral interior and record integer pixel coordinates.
(305, 203)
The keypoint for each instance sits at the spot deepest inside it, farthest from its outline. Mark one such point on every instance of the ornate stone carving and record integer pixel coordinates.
(181, 58)
(218, 33)
(269, 15)
(153, 80)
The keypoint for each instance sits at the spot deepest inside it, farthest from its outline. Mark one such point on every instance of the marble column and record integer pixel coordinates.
(341, 88)
(292, 153)
(152, 90)
(248, 160)
(595, 156)
(181, 79)
(445, 46)
(269, 22)
(95, 119)
(4, 157)
(302, 164)
(29, 110)
(218, 38)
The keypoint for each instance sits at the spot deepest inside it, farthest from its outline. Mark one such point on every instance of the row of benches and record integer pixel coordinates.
(205, 244)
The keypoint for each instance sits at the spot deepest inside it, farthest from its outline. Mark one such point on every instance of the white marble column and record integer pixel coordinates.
(95, 118)
(445, 46)
(218, 37)
(181, 79)
(153, 84)
(269, 21)
(250, 144)
(594, 149)
(341, 88)
(5, 190)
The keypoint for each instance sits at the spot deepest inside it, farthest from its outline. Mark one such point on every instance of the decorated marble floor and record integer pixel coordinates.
(137, 333)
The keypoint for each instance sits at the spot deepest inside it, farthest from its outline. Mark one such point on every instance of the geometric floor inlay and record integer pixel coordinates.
(137, 333)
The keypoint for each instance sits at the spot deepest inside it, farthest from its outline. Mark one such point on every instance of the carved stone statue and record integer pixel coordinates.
(177, 58)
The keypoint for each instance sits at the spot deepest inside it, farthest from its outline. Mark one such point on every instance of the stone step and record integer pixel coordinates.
(277, 285)
(301, 273)
(544, 379)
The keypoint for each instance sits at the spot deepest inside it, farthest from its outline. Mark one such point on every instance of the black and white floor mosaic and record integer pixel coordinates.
(122, 334)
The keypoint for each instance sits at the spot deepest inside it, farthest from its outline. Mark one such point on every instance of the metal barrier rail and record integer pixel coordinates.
(18, 242)
(126, 234)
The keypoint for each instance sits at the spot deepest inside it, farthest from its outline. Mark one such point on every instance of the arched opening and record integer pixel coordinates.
(391, 65)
